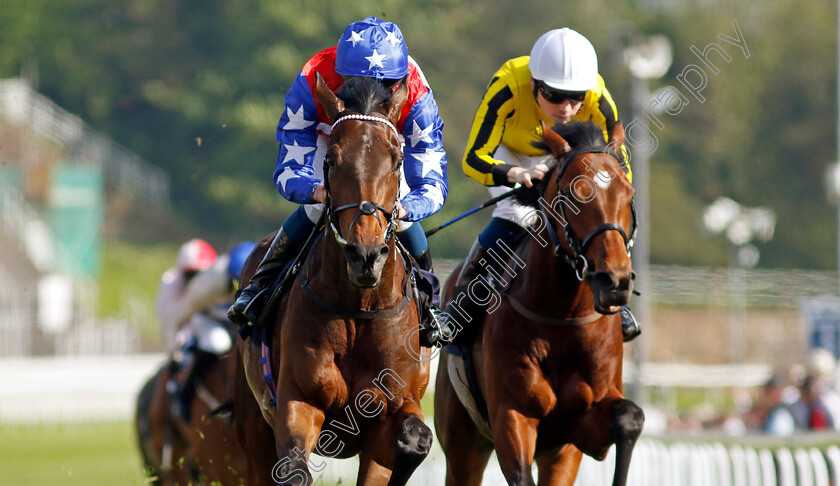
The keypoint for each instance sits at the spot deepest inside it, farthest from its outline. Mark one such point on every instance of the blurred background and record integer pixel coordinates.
(127, 128)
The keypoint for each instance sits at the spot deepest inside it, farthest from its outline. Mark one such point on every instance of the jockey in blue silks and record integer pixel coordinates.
(374, 48)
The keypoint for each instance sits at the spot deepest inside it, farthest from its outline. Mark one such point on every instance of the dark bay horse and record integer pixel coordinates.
(345, 382)
(203, 451)
(548, 359)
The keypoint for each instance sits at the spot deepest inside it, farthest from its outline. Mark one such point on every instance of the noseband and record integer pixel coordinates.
(367, 208)
(577, 259)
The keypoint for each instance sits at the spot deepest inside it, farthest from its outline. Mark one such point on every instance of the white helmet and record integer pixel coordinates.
(563, 59)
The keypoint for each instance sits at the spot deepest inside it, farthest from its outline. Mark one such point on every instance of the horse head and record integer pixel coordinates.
(591, 209)
(362, 172)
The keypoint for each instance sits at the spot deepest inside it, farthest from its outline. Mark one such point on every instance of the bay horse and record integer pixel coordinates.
(204, 450)
(548, 359)
(345, 383)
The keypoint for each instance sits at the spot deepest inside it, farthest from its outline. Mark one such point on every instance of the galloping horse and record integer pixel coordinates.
(204, 450)
(345, 383)
(548, 359)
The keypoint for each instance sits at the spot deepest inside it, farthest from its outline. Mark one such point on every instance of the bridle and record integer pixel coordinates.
(577, 259)
(367, 208)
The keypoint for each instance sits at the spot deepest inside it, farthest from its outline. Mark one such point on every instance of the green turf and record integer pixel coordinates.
(88, 454)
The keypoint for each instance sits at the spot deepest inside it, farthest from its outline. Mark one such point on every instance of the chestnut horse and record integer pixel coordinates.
(204, 450)
(548, 359)
(345, 382)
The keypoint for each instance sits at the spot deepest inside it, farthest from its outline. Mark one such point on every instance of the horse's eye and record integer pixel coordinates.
(329, 159)
(399, 163)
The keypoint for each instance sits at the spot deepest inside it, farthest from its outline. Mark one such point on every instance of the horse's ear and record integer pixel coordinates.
(393, 107)
(332, 104)
(555, 142)
(617, 136)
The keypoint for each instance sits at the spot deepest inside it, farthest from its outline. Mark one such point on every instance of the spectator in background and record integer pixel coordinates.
(809, 412)
(771, 415)
(821, 371)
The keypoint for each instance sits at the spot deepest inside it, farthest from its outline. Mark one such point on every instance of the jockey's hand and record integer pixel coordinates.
(320, 193)
(526, 177)
(401, 212)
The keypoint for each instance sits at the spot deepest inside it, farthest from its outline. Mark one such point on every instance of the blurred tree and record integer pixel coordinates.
(197, 87)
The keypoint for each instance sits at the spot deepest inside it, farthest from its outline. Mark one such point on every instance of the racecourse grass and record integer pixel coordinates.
(69, 455)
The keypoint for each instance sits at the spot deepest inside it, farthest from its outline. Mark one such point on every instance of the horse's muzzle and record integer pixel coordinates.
(611, 290)
(365, 263)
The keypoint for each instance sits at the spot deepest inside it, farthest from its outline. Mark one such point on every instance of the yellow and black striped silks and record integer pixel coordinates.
(509, 115)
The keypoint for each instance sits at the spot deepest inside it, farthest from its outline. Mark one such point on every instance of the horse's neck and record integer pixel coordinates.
(329, 277)
(548, 285)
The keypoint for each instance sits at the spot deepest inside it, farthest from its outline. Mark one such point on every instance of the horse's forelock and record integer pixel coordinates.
(581, 134)
(362, 94)
(578, 134)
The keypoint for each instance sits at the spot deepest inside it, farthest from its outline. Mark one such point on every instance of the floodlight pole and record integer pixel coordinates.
(648, 58)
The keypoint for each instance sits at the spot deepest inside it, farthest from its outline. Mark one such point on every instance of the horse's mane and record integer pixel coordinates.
(362, 94)
(579, 135)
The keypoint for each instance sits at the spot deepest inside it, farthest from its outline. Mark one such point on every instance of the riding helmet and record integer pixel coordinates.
(195, 255)
(565, 60)
(374, 48)
(238, 255)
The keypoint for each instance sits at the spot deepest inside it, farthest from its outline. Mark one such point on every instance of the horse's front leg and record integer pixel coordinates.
(560, 468)
(399, 442)
(611, 421)
(296, 430)
(255, 435)
(515, 440)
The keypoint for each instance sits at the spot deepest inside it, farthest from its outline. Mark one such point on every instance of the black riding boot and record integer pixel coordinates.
(477, 260)
(281, 250)
(201, 362)
(630, 327)
(430, 334)
(180, 368)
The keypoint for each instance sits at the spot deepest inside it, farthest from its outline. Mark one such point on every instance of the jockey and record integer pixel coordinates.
(373, 48)
(557, 83)
(171, 305)
(200, 313)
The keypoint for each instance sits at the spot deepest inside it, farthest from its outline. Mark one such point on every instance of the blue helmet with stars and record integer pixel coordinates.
(238, 255)
(374, 48)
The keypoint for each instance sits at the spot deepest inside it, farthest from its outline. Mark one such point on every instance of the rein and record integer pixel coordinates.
(551, 321)
(367, 208)
(577, 259)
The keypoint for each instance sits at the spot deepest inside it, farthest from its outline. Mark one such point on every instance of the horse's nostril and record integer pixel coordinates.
(604, 280)
(364, 255)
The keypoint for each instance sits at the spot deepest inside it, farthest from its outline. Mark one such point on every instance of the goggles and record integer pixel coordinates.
(556, 96)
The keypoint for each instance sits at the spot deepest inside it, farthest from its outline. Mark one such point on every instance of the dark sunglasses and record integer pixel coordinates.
(556, 96)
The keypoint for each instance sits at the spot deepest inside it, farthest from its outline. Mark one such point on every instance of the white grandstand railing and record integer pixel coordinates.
(678, 285)
(706, 286)
(20, 105)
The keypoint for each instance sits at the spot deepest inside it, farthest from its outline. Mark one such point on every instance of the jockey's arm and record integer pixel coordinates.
(607, 117)
(297, 135)
(425, 166)
(496, 107)
(207, 289)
